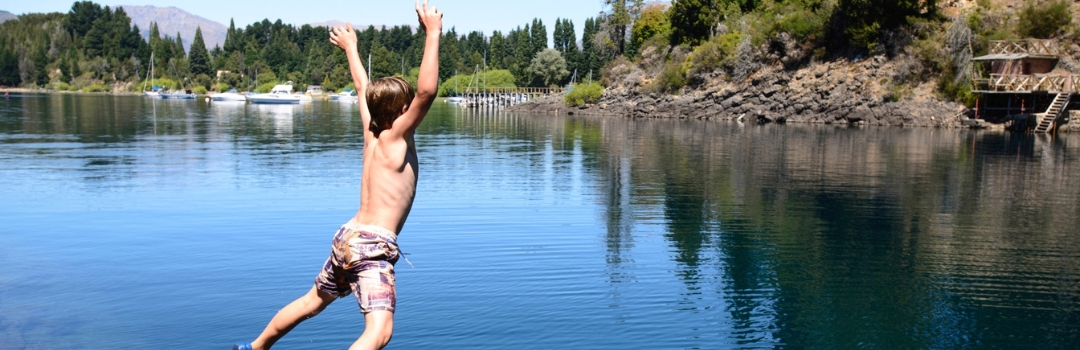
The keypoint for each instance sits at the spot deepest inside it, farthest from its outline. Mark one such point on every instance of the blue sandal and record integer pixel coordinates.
(242, 346)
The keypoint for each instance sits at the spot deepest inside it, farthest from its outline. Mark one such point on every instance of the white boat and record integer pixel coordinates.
(280, 94)
(344, 96)
(178, 95)
(304, 98)
(455, 99)
(231, 96)
(314, 90)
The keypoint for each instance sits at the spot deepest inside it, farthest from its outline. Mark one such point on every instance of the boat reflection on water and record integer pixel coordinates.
(280, 115)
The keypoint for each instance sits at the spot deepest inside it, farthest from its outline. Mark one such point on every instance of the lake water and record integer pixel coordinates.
(132, 223)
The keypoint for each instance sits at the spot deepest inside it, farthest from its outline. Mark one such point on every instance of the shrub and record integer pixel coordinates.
(63, 86)
(232, 79)
(265, 87)
(802, 23)
(96, 88)
(584, 93)
(672, 78)
(615, 71)
(199, 90)
(956, 91)
(221, 87)
(299, 83)
(499, 78)
(204, 81)
(715, 53)
(267, 77)
(1045, 20)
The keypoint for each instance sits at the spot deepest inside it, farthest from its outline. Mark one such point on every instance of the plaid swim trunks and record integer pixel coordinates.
(362, 262)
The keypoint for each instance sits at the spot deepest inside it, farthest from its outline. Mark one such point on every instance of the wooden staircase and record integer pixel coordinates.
(1053, 114)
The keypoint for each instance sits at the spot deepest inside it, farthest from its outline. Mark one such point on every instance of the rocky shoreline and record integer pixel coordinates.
(840, 92)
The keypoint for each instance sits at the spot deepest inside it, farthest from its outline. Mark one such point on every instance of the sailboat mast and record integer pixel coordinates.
(149, 73)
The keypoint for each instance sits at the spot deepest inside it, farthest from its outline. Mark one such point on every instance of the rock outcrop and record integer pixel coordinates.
(861, 93)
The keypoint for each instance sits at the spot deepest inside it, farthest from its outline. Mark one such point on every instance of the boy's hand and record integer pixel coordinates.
(430, 18)
(343, 37)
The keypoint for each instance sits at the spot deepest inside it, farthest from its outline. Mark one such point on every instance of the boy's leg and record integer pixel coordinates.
(378, 328)
(297, 311)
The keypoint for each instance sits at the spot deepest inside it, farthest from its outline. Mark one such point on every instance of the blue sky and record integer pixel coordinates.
(465, 15)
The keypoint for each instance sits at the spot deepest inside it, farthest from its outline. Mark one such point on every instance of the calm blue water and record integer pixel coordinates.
(131, 223)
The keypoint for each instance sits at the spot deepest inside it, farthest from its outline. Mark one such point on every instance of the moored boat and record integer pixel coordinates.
(230, 96)
(156, 93)
(280, 94)
(344, 96)
(178, 95)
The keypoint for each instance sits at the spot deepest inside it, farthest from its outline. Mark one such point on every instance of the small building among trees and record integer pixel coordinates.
(1021, 85)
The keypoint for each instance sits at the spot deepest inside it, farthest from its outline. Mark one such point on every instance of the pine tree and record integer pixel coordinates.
(9, 67)
(198, 57)
(691, 20)
(590, 58)
(566, 42)
(65, 70)
(81, 17)
(538, 37)
(619, 19)
(74, 63)
(41, 75)
(232, 39)
(178, 47)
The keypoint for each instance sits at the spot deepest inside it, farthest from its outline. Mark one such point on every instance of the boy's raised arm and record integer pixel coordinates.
(345, 38)
(427, 84)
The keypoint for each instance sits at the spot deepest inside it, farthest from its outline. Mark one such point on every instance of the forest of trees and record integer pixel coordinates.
(95, 47)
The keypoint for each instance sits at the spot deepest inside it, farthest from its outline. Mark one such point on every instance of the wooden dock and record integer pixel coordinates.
(504, 97)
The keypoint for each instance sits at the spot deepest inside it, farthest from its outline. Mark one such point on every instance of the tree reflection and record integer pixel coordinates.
(827, 237)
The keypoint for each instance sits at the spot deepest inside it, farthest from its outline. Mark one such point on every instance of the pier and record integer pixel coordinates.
(494, 98)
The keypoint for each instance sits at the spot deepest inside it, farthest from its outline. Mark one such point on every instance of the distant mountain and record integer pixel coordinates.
(4, 16)
(330, 23)
(171, 20)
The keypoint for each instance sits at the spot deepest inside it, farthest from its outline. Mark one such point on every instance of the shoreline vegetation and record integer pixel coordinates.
(860, 62)
(802, 67)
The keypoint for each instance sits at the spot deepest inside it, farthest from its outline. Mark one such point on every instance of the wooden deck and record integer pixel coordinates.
(1009, 53)
(1011, 83)
(1034, 47)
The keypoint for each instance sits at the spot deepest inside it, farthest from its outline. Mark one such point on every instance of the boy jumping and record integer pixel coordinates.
(365, 249)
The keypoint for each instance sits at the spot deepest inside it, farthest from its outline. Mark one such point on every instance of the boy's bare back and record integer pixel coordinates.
(391, 167)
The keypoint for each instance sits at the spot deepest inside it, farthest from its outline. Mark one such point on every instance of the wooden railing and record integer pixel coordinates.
(531, 91)
(1042, 47)
(1027, 83)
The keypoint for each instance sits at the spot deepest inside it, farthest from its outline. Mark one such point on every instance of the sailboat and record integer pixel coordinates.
(455, 99)
(475, 96)
(155, 90)
(178, 94)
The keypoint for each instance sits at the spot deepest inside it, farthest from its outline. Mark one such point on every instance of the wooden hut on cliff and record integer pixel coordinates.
(1019, 81)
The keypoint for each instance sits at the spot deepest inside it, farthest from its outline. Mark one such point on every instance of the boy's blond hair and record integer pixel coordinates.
(387, 99)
